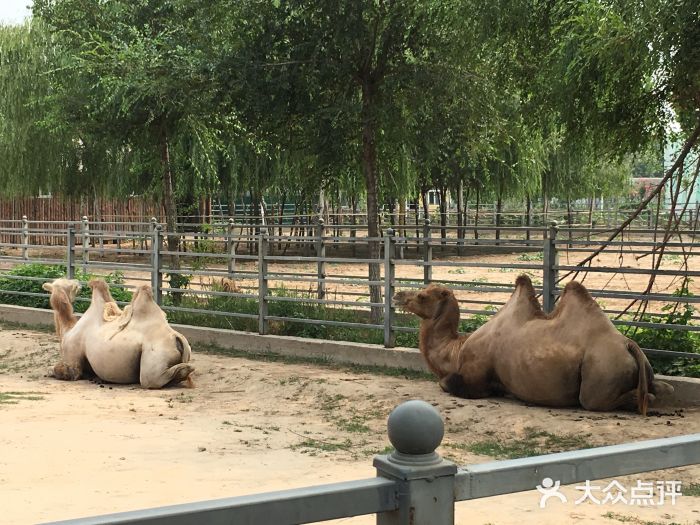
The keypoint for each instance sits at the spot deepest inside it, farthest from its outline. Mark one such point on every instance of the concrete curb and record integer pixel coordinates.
(687, 390)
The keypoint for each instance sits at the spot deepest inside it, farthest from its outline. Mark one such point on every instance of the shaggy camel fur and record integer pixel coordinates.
(63, 293)
(133, 346)
(572, 356)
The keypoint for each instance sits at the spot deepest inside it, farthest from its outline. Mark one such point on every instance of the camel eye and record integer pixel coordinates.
(421, 298)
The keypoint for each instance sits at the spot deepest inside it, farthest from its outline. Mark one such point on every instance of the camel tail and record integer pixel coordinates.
(183, 346)
(644, 376)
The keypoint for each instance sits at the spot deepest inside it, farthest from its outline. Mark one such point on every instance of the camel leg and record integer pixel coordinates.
(456, 385)
(172, 375)
(67, 372)
(625, 401)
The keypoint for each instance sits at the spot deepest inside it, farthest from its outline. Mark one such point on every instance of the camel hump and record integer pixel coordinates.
(580, 291)
(575, 300)
(525, 297)
(524, 281)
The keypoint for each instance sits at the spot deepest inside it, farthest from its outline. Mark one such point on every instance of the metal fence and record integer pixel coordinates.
(415, 486)
(296, 274)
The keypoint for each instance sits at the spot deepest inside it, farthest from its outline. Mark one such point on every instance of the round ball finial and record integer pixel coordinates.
(415, 428)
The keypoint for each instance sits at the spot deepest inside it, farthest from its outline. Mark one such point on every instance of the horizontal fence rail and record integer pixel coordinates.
(286, 507)
(516, 475)
(259, 277)
(414, 485)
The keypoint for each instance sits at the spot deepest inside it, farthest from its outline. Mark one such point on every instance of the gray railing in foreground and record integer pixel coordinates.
(414, 485)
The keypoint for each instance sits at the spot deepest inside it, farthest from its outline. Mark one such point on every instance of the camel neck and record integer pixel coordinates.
(438, 331)
(63, 311)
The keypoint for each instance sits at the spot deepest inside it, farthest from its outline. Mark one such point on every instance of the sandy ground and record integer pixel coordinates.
(79, 449)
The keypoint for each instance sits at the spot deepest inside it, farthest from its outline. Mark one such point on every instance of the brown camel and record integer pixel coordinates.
(573, 356)
(133, 346)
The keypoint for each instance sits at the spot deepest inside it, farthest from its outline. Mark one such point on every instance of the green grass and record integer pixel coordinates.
(310, 444)
(535, 443)
(538, 256)
(12, 398)
(692, 489)
(635, 520)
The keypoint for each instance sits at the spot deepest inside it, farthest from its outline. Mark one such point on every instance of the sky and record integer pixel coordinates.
(13, 11)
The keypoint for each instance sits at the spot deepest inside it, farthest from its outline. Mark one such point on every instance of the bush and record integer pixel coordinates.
(46, 273)
(672, 339)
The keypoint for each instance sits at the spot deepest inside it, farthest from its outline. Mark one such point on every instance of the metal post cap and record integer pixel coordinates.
(415, 427)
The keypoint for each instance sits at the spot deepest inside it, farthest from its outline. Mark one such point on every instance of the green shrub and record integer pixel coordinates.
(672, 339)
(49, 273)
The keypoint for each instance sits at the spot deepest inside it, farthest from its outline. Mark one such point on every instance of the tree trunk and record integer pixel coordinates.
(466, 212)
(353, 221)
(426, 206)
(460, 207)
(590, 217)
(418, 230)
(369, 170)
(443, 215)
(499, 207)
(476, 215)
(170, 206)
(569, 218)
(528, 215)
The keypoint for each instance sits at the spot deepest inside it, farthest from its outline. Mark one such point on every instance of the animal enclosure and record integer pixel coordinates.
(311, 280)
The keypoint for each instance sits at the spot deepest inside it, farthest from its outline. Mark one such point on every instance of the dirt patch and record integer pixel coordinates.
(77, 449)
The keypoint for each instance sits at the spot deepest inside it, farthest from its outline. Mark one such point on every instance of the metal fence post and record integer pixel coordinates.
(321, 255)
(156, 269)
(230, 249)
(25, 237)
(389, 255)
(70, 252)
(427, 254)
(86, 242)
(426, 482)
(262, 281)
(550, 274)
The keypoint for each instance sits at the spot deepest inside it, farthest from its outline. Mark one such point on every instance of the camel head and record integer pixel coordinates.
(433, 302)
(70, 287)
(63, 293)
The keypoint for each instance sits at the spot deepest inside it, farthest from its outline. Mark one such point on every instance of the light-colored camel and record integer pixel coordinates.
(573, 356)
(133, 346)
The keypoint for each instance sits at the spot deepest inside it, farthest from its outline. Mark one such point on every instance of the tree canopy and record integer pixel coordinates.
(379, 99)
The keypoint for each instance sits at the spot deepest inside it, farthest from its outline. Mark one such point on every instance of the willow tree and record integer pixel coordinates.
(138, 76)
(349, 68)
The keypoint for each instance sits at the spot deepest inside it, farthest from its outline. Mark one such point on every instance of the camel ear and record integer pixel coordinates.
(442, 304)
(48, 287)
